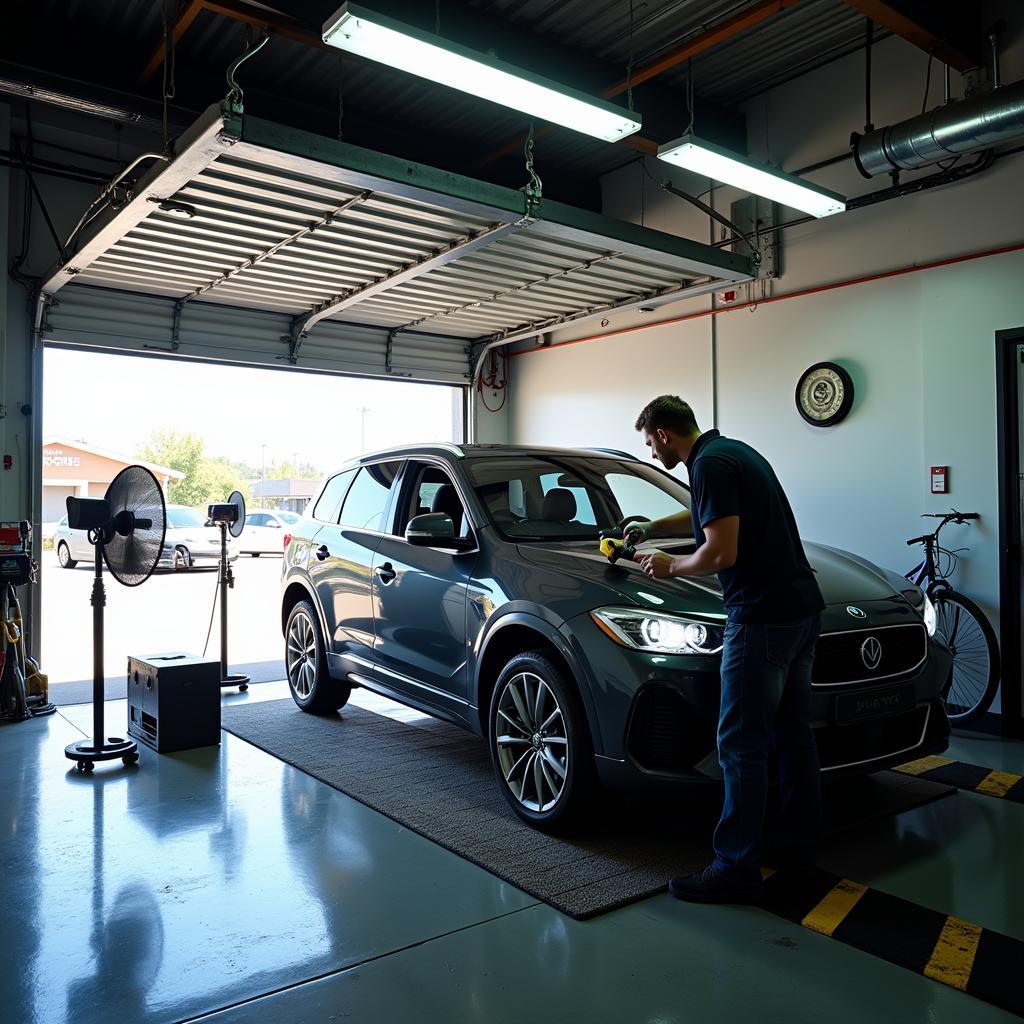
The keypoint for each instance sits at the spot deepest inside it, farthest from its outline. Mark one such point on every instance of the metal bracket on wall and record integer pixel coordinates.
(388, 365)
(755, 217)
(179, 308)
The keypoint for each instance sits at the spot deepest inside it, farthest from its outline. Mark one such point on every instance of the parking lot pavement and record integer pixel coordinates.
(169, 612)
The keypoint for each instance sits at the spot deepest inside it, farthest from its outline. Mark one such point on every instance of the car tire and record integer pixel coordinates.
(305, 661)
(64, 556)
(182, 559)
(532, 692)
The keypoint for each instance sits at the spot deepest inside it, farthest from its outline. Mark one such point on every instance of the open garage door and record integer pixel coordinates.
(265, 245)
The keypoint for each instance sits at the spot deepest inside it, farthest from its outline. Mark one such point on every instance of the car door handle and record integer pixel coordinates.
(322, 552)
(385, 573)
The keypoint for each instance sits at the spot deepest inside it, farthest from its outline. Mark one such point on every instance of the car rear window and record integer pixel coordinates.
(368, 496)
(329, 503)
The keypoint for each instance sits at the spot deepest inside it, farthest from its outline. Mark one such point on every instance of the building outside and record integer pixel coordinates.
(287, 495)
(80, 470)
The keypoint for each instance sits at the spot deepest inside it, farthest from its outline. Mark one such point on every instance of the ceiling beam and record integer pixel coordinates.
(725, 30)
(185, 17)
(720, 33)
(950, 31)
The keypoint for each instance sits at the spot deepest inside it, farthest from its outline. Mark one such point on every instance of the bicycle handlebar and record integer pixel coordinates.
(919, 540)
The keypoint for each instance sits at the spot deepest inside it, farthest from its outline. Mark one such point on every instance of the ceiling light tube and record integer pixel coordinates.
(363, 31)
(711, 161)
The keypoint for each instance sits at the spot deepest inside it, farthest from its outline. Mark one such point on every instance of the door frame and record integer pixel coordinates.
(1008, 425)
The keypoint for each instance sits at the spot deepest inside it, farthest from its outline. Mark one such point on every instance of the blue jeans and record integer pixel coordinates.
(766, 693)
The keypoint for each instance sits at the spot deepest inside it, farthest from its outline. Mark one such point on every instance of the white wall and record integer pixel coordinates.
(920, 346)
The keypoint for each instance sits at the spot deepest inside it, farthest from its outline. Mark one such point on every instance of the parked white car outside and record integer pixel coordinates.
(188, 542)
(265, 530)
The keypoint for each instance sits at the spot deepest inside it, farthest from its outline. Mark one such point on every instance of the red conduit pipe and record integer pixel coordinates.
(779, 298)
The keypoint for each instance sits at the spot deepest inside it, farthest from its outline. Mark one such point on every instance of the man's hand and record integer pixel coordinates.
(637, 533)
(657, 564)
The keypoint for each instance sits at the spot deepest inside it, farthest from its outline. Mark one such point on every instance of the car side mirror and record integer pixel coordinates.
(434, 530)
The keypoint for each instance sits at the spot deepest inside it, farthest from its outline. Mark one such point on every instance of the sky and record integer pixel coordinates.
(117, 401)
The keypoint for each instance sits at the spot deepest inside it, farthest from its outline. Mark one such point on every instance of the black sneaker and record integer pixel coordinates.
(710, 886)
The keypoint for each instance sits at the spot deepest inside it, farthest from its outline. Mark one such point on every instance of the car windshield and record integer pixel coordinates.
(570, 497)
(184, 518)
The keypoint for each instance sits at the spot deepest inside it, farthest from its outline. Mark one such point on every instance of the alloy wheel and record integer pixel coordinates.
(62, 555)
(301, 655)
(532, 744)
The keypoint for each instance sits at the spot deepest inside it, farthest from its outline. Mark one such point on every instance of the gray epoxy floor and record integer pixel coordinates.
(222, 885)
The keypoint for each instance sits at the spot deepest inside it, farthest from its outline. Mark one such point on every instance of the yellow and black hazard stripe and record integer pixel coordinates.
(974, 777)
(965, 956)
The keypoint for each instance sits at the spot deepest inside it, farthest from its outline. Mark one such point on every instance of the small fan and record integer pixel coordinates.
(230, 517)
(126, 527)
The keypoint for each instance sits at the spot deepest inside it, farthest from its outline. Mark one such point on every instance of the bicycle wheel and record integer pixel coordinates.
(964, 629)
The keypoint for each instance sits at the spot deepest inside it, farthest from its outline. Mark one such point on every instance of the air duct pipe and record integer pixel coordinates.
(966, 126)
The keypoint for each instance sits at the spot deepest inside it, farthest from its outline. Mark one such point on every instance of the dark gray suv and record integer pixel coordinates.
(466, 581)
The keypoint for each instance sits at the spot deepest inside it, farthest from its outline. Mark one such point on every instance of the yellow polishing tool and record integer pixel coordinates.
(613, 548)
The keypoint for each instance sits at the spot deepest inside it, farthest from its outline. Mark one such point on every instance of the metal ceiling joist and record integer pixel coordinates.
(323, 232)
(948, 29)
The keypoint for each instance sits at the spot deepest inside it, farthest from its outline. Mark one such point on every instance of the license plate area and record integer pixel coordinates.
(880, 702)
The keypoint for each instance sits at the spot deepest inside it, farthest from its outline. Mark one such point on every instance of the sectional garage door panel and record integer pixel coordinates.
(271, 244)
(116, 320)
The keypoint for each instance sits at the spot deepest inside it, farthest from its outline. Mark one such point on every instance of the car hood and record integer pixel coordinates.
(844, 578)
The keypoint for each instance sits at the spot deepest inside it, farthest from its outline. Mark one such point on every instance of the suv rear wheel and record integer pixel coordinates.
(312, 687)
(540, 744)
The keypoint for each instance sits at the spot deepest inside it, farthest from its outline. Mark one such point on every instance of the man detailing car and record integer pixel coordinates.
(745, 532)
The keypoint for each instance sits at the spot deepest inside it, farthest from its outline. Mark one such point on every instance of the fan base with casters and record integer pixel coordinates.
(85, 753)
(234, 679)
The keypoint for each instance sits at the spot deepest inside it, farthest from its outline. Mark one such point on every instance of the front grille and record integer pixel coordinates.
(839, 659)
(666, 732)
(844, 745)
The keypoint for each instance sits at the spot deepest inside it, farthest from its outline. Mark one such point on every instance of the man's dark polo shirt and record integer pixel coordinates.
(772, 581)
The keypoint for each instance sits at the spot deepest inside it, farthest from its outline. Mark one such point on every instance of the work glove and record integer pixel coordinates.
(637, 533)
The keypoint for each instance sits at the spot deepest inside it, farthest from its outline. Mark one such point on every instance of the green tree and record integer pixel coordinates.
(206, 479)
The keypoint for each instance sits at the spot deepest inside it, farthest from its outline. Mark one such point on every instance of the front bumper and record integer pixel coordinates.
(657, 716)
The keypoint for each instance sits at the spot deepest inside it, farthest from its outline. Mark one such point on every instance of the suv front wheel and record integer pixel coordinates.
(312, 687)
(540, 744)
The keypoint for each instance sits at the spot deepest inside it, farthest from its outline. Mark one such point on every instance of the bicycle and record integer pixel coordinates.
(960, 624)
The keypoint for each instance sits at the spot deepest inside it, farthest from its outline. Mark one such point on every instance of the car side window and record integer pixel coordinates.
(368, 496)
(584, 510)
(256, 519)
(637, 496)
(432, 490)
(329, 503)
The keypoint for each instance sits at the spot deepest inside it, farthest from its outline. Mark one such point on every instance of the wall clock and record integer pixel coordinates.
(824, 394)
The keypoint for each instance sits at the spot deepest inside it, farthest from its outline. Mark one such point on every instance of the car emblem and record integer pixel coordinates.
(856, 612)
(871, 653)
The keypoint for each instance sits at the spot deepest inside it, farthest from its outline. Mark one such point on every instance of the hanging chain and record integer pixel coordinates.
(341, 97)
(534, 187)
(689, 94)
(629, 64)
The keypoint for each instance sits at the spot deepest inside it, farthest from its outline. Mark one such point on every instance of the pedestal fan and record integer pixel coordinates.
(230, 517)
(126, 527)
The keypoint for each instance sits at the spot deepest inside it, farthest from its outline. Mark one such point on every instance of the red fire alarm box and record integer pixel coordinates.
(940, 479)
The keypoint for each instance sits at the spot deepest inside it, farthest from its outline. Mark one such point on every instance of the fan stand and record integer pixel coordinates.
(227, 582)
(100, 747)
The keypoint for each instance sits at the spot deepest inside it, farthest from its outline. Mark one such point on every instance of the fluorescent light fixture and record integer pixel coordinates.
(711, 161)
(377, 37)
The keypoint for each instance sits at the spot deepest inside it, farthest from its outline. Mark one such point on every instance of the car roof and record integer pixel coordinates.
(476, 451)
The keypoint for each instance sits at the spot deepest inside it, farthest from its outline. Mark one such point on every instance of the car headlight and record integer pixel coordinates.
(659, 634)
(928, 612)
